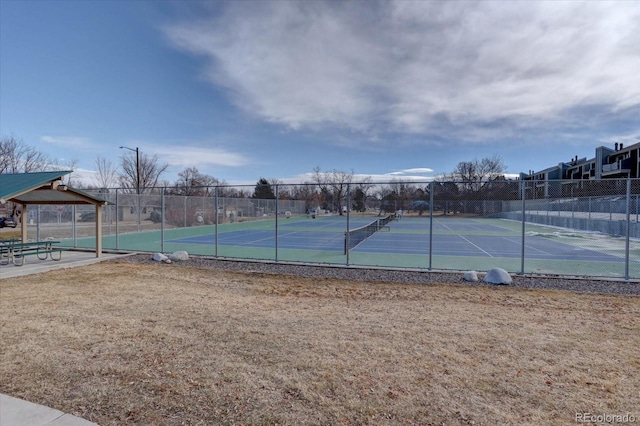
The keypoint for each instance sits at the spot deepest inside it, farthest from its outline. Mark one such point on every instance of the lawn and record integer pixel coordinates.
(124, 343)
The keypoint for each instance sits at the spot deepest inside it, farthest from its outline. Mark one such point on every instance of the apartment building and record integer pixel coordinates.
(615, 162)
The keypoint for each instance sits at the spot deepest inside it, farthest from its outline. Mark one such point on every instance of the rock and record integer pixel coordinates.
(159, 257)
(471, 276)
(498, 276)
(179, 255)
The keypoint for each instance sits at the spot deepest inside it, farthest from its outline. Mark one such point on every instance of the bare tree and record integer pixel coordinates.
(18, 157)
(107, 176)
(307, 192)
(386, 200)
(339, 184)
(67, 165)
(333, 186)
(282, 190)
(402, 193)
(148, 170)
(192, 182)
(474, 174)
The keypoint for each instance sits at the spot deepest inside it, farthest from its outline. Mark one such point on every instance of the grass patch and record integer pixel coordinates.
(121, 343)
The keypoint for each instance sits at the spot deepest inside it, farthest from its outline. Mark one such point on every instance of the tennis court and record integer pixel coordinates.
(326, 234)
(447, 243)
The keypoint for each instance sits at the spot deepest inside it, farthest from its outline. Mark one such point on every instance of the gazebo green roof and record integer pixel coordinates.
(42, 188)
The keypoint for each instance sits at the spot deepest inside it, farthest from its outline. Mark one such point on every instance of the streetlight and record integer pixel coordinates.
(137, 166)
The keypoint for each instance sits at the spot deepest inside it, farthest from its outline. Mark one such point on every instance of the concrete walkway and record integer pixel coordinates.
(17, 412)
(70, 259)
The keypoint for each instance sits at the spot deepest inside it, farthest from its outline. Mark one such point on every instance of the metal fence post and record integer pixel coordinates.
(431, 188)
(139, 208)
(74, 226)
(548, 207)
(626, 249)
(117, 217)
(610, 213)
(162, 221)
(217, 207)
(346, 234)
(524, 205)
(276, 205)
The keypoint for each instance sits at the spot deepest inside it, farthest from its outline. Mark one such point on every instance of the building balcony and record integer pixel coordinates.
(619, 168)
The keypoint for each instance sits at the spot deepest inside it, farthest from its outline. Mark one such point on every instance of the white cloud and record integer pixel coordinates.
(68, 142)
(84, 178)
(471, 70)
(189, 156)
(418, 170)
(626, 138)
(409, 175)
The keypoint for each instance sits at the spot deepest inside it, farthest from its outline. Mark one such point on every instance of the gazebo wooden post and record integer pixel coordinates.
(98, 230)
(23, 223)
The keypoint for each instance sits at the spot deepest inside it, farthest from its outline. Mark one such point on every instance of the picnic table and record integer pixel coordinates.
(5, 250)
(16, 251)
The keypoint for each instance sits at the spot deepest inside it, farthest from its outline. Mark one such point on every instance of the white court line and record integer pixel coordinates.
(239, 240)
(476, 246)
(526, 246)
(445, 226)
(328, 224)
(272, 237)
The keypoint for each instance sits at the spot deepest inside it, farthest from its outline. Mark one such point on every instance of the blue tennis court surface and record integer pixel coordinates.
(484, 238)
(480, 246)
(307, 240)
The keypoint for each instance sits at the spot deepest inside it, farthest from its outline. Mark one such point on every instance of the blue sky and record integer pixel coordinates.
(391, 89)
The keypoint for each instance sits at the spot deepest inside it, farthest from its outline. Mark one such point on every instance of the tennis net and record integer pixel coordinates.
(354, 237)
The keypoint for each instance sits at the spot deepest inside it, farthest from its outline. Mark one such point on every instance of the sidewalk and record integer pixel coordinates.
(70, 259)
(17, 412)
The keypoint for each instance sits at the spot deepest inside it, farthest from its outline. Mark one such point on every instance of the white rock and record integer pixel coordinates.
(498, 276)
(159, 257)
(471, 276)
(179, 255)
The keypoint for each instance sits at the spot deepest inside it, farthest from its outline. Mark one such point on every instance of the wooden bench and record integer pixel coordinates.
(41, 249)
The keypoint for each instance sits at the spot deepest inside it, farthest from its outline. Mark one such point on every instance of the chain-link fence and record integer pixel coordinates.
(550, 227)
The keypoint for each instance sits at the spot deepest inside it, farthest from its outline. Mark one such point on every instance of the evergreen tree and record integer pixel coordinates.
(264, 190)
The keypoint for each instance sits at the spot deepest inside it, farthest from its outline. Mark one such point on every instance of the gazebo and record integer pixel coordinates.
(27, 189)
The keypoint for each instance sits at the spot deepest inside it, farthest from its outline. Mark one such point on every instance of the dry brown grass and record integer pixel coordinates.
(121, 343)
(9, 233)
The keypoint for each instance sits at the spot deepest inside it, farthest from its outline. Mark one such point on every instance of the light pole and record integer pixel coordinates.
(137, 151)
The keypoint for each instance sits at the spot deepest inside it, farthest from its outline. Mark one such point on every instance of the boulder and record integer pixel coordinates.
(471, 276)
(498, 276)
(179, 255)
(159, 257)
